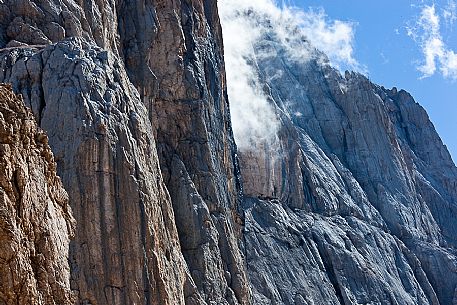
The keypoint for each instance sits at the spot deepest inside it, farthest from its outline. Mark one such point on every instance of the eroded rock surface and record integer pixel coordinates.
(358, 192)
(353, 203)
(196, 147)
(81, 92)
(126, 248)
(35, 219)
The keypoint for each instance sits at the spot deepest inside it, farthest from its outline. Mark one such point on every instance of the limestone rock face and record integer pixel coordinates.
(356, 202)
(126, 248)
(353, 202)
(35, 219)
(86, 91)
(295, 257)
(196, 147)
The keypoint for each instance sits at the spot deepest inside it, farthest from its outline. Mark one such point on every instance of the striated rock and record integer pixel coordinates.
(172, 52)
(126, 248)
(353, 201)
(35, 219)
(196, 147)
(357, 193)
(357, 156)
(296, 257)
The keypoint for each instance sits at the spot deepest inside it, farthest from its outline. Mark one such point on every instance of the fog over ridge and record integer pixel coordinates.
(245, 24)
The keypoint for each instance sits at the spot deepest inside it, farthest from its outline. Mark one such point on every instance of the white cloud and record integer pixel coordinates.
(450, 13)
(253, 118)
(384, 58)
(245, 24)
(437, 56)
(449, 66)
(334, 38)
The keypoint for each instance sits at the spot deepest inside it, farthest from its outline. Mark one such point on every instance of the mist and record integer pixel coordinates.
(300, 33)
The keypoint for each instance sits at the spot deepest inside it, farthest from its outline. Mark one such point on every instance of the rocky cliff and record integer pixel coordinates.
(118, 85)
(35, 219)
(353, 201)
(348, 196)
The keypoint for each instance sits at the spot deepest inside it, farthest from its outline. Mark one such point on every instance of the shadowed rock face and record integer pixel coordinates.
(196, 147)
(88, 92)
(35, 219)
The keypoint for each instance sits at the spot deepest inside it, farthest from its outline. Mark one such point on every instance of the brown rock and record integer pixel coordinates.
(35, 219)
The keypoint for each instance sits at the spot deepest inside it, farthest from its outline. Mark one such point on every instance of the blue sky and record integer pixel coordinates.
(391, 57)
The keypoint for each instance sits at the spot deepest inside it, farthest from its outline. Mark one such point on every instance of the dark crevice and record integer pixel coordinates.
(307, 191)
(17, 192)
(42, 104)
(330, 271)
(103, 224)
(35, 264)
(119, 218)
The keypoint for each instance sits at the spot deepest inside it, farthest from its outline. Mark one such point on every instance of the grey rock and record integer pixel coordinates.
(192, 120)
(172, 52)
(327, 260)
(126, 247)
(360, 174)
(354, 204)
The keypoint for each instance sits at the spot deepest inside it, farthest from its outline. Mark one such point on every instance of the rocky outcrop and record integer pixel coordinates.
(198, 154)
(35, 219)
(297, 257)
(81, 92)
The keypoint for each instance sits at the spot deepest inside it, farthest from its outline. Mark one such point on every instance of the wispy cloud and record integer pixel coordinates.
(245, 25)
(426, 31)
(333, 37)
(253, 118)
(450, 13)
